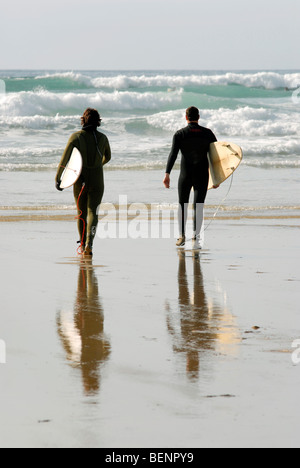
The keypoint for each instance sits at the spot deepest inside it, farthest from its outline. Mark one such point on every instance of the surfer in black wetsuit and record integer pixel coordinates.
(89, 189)
(193, 141)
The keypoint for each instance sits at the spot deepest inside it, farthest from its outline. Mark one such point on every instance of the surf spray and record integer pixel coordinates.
(2, 352)
(2, 93)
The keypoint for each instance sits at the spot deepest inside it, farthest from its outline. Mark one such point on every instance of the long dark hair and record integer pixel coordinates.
(91, 118)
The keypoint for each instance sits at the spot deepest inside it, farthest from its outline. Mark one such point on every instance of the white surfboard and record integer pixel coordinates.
(224, 158)
(72, 171)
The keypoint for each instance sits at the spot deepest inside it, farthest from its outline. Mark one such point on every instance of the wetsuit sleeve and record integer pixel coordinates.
(173, 155)
(107, 153)
(65, 159)
(213, 138)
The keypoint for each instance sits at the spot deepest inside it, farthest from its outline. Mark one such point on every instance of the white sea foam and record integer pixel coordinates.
(72, 76)
(42, 102)
(267, 154)
(19, 167)
(39, 122)
(267, 80)
(241, 122)
(140, 116)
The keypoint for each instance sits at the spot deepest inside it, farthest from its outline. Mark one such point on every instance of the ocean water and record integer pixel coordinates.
(141, 110)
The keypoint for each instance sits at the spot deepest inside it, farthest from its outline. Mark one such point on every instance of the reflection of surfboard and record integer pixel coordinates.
(224, 158)
(72, 171)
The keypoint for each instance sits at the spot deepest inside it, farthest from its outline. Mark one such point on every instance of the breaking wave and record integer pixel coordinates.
(266, 80)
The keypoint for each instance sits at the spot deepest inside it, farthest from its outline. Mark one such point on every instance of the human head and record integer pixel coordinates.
(91, 118)
(192, 114)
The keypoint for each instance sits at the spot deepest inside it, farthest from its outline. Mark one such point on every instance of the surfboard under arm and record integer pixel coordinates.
(224, 158)
(72, 170)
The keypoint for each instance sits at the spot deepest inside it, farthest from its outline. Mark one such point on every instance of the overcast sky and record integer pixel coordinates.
(150, 34)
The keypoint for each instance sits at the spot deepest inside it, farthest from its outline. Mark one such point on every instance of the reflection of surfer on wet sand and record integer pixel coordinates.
(203, 326)
(82, 332)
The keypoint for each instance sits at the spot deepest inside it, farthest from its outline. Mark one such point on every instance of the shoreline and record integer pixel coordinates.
(150, 212)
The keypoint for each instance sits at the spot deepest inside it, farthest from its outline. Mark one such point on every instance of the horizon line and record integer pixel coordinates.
(156, 69)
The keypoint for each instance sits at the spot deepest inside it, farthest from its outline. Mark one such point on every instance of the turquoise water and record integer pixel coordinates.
(141, 111)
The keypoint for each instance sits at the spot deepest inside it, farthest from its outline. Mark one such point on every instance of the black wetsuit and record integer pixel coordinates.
(193, 141)
(95, 151)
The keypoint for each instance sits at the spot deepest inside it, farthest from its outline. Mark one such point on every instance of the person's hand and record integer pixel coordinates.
(57, 185)
(167, 181)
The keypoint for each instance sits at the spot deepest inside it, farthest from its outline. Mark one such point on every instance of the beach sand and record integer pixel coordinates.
(149, 347)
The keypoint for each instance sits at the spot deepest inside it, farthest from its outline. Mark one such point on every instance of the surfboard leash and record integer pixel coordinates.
(80, 249)
(69, 169)
(219, 207)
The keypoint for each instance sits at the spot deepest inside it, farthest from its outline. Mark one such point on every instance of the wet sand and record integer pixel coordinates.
(147, 347)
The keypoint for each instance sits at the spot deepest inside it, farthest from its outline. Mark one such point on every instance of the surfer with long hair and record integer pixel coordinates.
(89, 189)
(193, 141)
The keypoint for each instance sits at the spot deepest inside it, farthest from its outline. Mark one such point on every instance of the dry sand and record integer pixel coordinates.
(148, 347)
